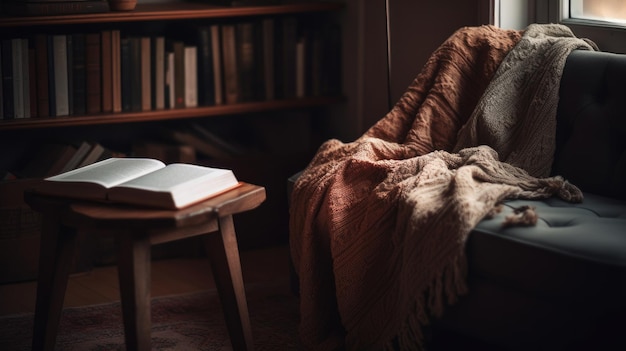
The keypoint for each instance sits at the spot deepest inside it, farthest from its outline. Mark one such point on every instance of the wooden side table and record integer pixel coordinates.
(135, 230)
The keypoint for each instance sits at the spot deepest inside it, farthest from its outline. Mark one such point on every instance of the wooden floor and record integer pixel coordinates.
(169, 277)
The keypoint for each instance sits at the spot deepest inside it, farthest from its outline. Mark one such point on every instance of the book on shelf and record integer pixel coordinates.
(135, 74)
(287, 66)
(81, 151)
(267, 47)
(158, 72)
(216, 49)
(178, 48)
(59, 59)
(116, 63)
(246, 60)
(206, 79)
(146, 79)
(25, 78)
(51, 8)
(93, 81)
(7, 80)
(70, 73)
(170, 87)
(125, 73)
(191, 75)
(41, 58)
(78, 74)
(141, 182)
(229, 63)
(94, 154)
(32, 73)
(106, 70)
(18, 80)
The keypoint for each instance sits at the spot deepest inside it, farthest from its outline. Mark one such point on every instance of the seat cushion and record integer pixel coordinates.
(573, 250)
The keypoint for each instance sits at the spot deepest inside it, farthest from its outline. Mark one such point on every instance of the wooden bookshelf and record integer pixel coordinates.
(168, 114)
(171, 11)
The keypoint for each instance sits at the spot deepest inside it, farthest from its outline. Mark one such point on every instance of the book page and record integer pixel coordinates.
(174, 175)
(110, 172)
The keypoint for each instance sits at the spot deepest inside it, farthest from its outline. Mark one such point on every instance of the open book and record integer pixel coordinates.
(141, 181)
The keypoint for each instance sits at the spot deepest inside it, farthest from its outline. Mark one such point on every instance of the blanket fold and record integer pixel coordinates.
(378, 225)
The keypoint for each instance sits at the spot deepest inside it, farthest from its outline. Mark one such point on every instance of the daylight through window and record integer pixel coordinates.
(613, 11)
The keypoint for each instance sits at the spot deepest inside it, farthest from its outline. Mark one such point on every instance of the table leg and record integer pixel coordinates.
(134, 277)
(56, 253)
(223, 253)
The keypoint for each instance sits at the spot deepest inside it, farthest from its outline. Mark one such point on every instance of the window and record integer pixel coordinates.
(608, 11)
(603, 21)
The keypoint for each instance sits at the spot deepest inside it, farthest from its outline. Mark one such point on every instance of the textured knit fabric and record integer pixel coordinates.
(517, 113)
(378, 225)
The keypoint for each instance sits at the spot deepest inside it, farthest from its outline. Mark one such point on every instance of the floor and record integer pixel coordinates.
(169, 277)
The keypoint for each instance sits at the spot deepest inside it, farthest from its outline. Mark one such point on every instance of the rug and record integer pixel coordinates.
(184, 322)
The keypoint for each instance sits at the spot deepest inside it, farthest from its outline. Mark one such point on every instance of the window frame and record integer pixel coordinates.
(608, 36)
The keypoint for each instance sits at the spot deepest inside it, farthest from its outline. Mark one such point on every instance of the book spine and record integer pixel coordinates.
(290, 37)
(106, 70)
(246, 61)
(169, 80)
(206, 94)
(179, 74)
(229, 57)
(125, 73)
(41, 57)
(70, 73)
(26, 77)
(146, 81)
(93, 87)
(60, 75)
(18, 82)
(216, 49)
(79, 74)
(14, 8)
(158, 73)
(135, 74)
(7, 79)
(267, 45)
(191, 76)
(116, 80)
(52, 107)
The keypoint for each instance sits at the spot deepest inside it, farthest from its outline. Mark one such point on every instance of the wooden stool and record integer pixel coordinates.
(135, 230)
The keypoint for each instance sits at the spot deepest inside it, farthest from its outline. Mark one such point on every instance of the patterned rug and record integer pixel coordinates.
(185, 322)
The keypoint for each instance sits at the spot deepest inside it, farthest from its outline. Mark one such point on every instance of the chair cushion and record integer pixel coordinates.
(573, 250)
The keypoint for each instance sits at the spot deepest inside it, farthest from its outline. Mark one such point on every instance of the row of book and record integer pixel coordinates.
(48, 75)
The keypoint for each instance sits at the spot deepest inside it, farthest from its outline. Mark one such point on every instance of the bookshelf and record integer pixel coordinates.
(160, 13)
(293, 118)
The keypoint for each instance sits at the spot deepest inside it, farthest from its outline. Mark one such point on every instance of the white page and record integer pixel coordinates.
(175, 175)
(110, 172)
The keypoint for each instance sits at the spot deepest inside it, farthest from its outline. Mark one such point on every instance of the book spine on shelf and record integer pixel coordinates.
(246, 63)
(125, 73)
(70, 73)
(18, 81)
(146, 79)
(106, 68)
(25, 77)
(93, 87)
(206, 93)
(52, 107)
(135, 74)
(59, 54)
(79, 74)
(216, 49)
(116, 80)
(158, 72)
(41, 58)
(179, 74)
(229, 57)
(7, 79)
(191, 76)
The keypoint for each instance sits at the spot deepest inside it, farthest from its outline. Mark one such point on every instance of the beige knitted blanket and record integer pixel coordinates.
(378, 225)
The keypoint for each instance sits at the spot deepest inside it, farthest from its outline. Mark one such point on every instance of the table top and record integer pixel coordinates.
(109, 215)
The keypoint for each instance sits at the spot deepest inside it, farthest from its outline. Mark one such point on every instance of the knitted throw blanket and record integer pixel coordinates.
(378, 225)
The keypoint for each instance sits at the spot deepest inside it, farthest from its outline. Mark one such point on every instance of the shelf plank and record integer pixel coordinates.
(170, 11)
(168, 114)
